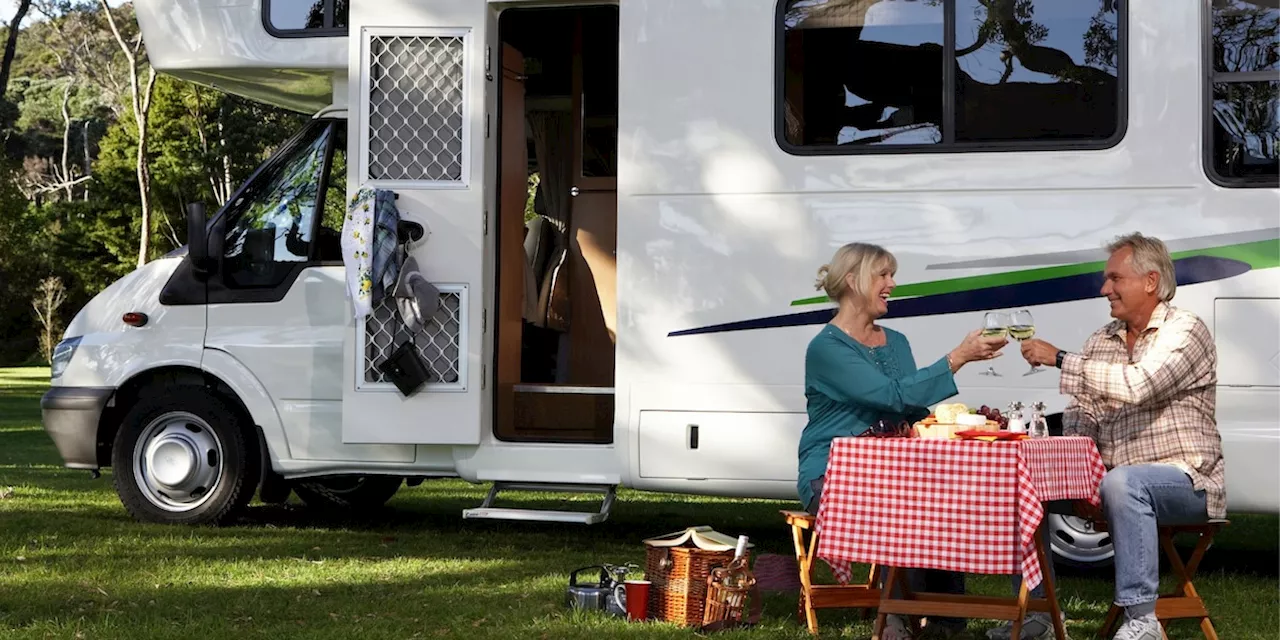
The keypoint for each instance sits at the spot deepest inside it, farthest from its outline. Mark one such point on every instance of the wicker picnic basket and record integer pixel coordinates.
(679, 582)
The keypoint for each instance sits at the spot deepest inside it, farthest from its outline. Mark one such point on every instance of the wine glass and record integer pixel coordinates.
(1023, 327)
(994, 325)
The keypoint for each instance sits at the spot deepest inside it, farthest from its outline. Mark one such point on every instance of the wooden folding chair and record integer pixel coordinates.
(825, 596)
(1184, 602)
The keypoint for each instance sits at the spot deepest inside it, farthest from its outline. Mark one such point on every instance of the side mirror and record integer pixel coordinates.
(197, 238)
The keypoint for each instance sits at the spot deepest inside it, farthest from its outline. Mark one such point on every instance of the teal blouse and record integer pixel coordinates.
(849, 386)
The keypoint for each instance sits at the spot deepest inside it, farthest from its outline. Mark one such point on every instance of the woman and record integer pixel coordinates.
(857, 373)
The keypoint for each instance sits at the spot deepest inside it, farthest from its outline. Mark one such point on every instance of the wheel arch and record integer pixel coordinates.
(127, 394)
(259, 411)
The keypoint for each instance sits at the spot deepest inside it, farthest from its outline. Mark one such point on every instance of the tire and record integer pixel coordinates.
(1074, 543)
(347, 493)
(182, 456)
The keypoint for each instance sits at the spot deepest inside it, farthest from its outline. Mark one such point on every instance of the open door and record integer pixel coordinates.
(418, 129)
(557, 278)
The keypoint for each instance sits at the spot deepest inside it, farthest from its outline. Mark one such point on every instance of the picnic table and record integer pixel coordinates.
(972, 506)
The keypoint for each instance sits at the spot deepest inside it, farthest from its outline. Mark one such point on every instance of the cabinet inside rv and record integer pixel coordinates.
(556, 225)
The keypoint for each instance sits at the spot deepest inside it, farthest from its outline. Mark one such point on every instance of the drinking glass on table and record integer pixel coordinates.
(994, 325)
(1023, 327)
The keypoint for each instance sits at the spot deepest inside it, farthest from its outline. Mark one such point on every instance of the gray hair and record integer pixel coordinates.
(858, 258)
(1149, 254)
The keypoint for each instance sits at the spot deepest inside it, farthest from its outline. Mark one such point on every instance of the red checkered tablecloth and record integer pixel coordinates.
(959, 505)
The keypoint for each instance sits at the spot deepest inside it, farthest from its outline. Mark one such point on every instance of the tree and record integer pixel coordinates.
(49, 297)
(11, 44)
(141, 99)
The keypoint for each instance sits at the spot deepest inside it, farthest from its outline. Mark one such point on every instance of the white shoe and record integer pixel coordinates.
(1141, 628)
(895, 629)
(1036, 626)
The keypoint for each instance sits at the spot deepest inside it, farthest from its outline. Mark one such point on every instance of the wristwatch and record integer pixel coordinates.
(1057, 361)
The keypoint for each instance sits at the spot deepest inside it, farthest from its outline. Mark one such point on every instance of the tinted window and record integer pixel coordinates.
(293, 16)
(270, 225)
(1244, 108)
(860, 73)
(1042, 70)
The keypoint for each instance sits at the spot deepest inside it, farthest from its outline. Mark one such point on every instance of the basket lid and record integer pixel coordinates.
(702, 537)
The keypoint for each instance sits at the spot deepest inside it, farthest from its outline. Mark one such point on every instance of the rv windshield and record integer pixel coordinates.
(272, 223)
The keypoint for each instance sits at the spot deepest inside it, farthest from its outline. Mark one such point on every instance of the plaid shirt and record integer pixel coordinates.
(1156, 407)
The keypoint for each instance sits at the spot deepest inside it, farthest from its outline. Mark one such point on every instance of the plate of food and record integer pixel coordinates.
(993, 435)
(948, 420)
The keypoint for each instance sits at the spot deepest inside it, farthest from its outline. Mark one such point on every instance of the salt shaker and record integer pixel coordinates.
(1039, 425)
(1016, 425)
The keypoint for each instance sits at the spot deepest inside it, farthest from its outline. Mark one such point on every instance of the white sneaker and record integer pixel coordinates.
(895, 629)
(1036, 626)
(1141, 628)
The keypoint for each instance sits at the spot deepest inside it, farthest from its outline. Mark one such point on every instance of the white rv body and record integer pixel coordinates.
(719, 233)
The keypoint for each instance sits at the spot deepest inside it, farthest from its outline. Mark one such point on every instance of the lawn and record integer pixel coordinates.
(72, 565)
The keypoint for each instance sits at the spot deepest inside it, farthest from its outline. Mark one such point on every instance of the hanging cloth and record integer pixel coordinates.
(369, 246)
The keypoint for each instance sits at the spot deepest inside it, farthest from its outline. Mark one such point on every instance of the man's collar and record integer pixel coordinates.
(1158, 316)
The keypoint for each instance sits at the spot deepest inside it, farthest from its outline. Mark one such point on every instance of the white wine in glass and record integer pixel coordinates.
(994, 325)
(1023, 327)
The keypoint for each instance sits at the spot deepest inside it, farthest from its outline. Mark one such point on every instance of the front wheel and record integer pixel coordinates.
(1074, 542)
(347, 493)
(181, 457)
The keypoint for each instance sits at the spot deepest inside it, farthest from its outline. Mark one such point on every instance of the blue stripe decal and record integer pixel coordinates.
(1188, 271)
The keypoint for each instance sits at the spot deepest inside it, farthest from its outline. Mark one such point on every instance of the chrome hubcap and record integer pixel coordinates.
(178, 461)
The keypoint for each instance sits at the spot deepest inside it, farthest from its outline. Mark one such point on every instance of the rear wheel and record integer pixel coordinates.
(347, 493)
(181, 457)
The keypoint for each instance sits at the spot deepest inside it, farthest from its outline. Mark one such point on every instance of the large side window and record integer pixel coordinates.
(898, 75)
(305, 17)
(1244, 93)
(271, 225)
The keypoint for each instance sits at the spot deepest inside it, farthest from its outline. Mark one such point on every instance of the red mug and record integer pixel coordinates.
(637, 599)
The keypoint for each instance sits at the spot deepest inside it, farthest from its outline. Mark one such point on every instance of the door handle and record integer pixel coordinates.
(574, 191)
(693, 436)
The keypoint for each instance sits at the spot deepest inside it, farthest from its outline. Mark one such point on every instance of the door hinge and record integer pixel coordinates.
(486, 126)
(488, 63)
(484, 375)
(485, 222)
(484, 321)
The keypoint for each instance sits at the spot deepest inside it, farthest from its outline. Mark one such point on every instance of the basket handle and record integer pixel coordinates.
(753, 594)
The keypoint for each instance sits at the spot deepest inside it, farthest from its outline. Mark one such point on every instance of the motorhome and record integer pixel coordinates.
(622, 208)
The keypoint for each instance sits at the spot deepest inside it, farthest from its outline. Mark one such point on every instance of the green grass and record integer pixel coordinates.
(73, 565)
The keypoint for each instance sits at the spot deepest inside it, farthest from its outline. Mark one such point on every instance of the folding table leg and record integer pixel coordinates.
(881, 616)
(1016, 632)
(1050, 590)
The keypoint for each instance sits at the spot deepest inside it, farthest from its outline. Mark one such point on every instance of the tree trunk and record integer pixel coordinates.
(141, 108)
(88, 166)
(144, 169)
(11, 44)
(66, 139)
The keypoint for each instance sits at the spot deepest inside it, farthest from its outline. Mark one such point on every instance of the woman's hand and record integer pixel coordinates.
(976, 347)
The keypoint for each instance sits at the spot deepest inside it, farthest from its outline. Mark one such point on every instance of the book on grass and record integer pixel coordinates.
(702, 537)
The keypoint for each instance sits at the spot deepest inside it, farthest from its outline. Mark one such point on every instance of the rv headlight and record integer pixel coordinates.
(62, 356)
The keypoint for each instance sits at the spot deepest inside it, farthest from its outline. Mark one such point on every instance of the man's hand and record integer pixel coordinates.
(1036, 351)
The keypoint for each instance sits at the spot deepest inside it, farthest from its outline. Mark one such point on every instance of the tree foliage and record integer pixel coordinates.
(70, 205)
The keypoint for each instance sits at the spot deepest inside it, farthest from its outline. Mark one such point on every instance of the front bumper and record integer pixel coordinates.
(71, 416)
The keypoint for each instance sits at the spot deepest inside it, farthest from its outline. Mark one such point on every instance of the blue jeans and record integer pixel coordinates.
(1136, 499)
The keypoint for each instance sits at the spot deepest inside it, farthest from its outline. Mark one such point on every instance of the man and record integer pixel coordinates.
(1144, 390)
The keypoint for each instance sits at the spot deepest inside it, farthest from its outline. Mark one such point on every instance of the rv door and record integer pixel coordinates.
(418, 89)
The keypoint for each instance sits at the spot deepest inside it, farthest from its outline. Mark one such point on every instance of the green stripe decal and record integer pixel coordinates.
(1264, 254)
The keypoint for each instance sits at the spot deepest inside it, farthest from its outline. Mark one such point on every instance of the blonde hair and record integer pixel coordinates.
(860, 259)
(1149, 254)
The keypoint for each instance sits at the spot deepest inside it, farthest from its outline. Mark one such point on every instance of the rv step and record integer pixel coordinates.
(486, 510)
